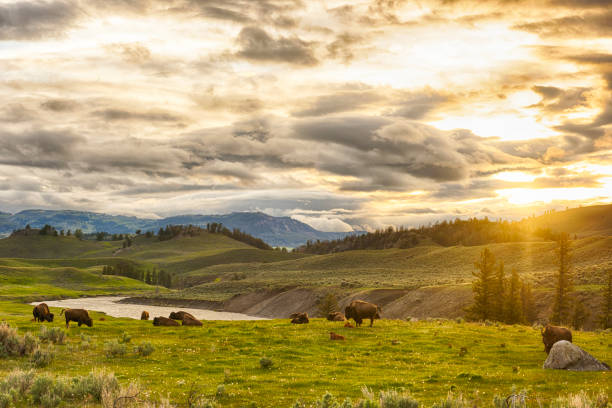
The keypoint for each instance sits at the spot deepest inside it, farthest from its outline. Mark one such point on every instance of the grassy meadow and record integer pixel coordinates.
(423, 358)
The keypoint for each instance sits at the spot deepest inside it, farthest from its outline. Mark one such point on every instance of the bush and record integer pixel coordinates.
(42, 358)
(53, 335)
(453, 401)
(5, 400)
(114, 349)
(144, 349)
(265, 363)
(95, 385)
(394, 399)
(125, 338)
(11, 344)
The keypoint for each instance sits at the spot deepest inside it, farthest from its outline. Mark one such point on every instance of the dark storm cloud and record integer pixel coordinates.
(41, 148)
(257, 45)
(225, 14)
(340, 102)
(585, 25)
(25, 20)
(255, 129)
(559, 100)
(152, 116)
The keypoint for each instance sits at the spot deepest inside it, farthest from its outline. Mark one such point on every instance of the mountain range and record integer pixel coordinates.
(276, 231)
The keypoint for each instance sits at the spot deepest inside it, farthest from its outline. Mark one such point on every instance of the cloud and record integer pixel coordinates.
(125, 115)
(559, 100)
(416, 105)
(257, 45)
(25, 20)
(39, 148)
(585, 25)
(225, 14)
(342, 47)
(340, 102)
(59, 105)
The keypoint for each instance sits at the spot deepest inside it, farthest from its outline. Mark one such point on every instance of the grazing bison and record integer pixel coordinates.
(359, 310)
(552, 334)
(144, 315)
(188, 321)
(77, 315)
(164, 321)
(180, 315)
(299, 318)
(335, 317)
(334, 336)
(41, 313)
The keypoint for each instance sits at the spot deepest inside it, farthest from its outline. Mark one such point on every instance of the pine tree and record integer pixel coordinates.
(499, 292)
(563, 290)
(579, 315)
(529, 312)
(514, 305)
(483, 287)
(606, 315)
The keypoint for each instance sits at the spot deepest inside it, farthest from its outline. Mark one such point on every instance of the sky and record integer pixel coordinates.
(346, 115)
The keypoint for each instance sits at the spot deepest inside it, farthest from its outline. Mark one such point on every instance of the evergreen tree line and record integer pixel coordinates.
(469, 232)
(498, 297)
(510, 300)
(173, 231)
(46, 230)
(130, 270)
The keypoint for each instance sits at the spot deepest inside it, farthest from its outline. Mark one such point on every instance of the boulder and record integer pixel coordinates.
(567, 356)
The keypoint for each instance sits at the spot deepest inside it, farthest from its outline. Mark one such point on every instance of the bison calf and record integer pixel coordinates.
(164, 321)
(334, 336)
(77, 315)
(144, 315)
(349, 325)
(41, 313)
(553, 334)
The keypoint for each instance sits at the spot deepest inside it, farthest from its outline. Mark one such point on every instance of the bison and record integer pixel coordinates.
(144, 315)
(77, 315)
(299, 318)
(41, 313)
(335, 317)
(552, 334)
(180, 315)
(188, 321)
(334, 336)
(359, 310)
(164, 321)
(349, 325)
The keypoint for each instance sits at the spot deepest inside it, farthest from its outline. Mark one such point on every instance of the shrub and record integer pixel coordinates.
(265, 363)
(125, 338)
(5, 400)
(394, 399)
(453, 401)
(42, 358)
(20, 381)
(95, 384)
(54, 335)
(114, 349)
(221, 390)
(144, 349)
(11, 344)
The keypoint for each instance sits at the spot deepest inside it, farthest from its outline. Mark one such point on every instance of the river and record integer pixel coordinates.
(109, 305)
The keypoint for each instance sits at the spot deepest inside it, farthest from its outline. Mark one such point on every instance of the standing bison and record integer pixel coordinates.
(553, 334)
(77, 315)
(144, 315)
(359, 310)
(41, 313)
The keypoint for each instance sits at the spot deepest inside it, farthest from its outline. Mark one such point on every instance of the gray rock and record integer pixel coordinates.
(567, 356)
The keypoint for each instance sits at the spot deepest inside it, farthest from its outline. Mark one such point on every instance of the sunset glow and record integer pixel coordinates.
(395, 112)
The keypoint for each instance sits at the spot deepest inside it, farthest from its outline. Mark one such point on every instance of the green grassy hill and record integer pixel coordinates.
(583, 221)
(400, 268)
(222, 360)
(47, 246)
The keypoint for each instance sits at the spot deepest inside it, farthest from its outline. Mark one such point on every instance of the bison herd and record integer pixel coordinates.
(358, 310)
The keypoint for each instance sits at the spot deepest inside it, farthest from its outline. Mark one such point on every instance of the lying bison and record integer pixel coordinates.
(359, 310)
(41, 313)
(164, 321)
(188, 321)
(180, 315)
(299, 318)
(77, 315)
(553, 334)
(144, 315)
(335, 317)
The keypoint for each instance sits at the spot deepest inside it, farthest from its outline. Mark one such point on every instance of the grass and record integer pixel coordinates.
(422, 357)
